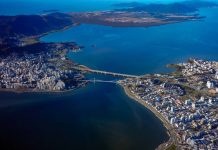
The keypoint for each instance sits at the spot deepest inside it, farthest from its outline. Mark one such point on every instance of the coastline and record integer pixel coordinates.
(37, 38)
(136, 25)
(170, 130)
(17, 91)
(162, 137)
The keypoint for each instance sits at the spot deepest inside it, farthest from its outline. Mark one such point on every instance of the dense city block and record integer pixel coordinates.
(45, 71)
(187, 99)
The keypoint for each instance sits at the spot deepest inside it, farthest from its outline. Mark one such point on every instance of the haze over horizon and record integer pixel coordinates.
(22, 7)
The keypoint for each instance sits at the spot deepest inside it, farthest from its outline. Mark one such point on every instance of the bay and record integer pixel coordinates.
(101, 116)
(96, 117)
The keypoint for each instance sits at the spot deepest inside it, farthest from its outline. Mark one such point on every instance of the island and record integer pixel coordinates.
(145, 15)
(132, 18)
(186, 100)
(21, 30)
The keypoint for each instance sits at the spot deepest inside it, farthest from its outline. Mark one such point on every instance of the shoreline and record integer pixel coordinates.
(17, 91)
(37, 38)
(170, 130)
(140, 25)
(33, 91)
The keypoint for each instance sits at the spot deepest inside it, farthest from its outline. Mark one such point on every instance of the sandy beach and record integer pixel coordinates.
(172, 134)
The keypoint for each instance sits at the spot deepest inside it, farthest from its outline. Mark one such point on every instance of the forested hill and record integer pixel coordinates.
(31, 25)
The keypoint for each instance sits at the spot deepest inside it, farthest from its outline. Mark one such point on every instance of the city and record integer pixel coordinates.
(188, 106)
(43, 72)
(108, 75)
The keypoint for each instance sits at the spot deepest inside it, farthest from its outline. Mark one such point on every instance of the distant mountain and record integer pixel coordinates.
(165, 8)
(181, 7)
(200, 4)
(31, 25)
(25, 29)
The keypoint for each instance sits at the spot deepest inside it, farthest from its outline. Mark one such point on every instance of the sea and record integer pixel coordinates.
(101, 116)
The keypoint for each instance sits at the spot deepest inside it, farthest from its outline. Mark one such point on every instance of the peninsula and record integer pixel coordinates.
(22, 30)
(185, 101)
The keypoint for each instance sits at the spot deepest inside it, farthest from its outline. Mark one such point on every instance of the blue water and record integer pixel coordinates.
(143, 50)
(96, 117)
(18, 7)
(101, 116)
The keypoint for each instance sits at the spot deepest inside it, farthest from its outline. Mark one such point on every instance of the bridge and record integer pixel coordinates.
(99, 81)
(86, 69)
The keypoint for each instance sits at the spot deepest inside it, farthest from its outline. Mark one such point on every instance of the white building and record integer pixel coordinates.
(59, 86)
(216, 75)
(210, 84)
(172, 109)
(172, 120)
(193, 105)
(202, 99)
(210, 101)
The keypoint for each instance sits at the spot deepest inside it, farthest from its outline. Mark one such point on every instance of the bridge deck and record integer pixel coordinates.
(100, 81)
(106, 72)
